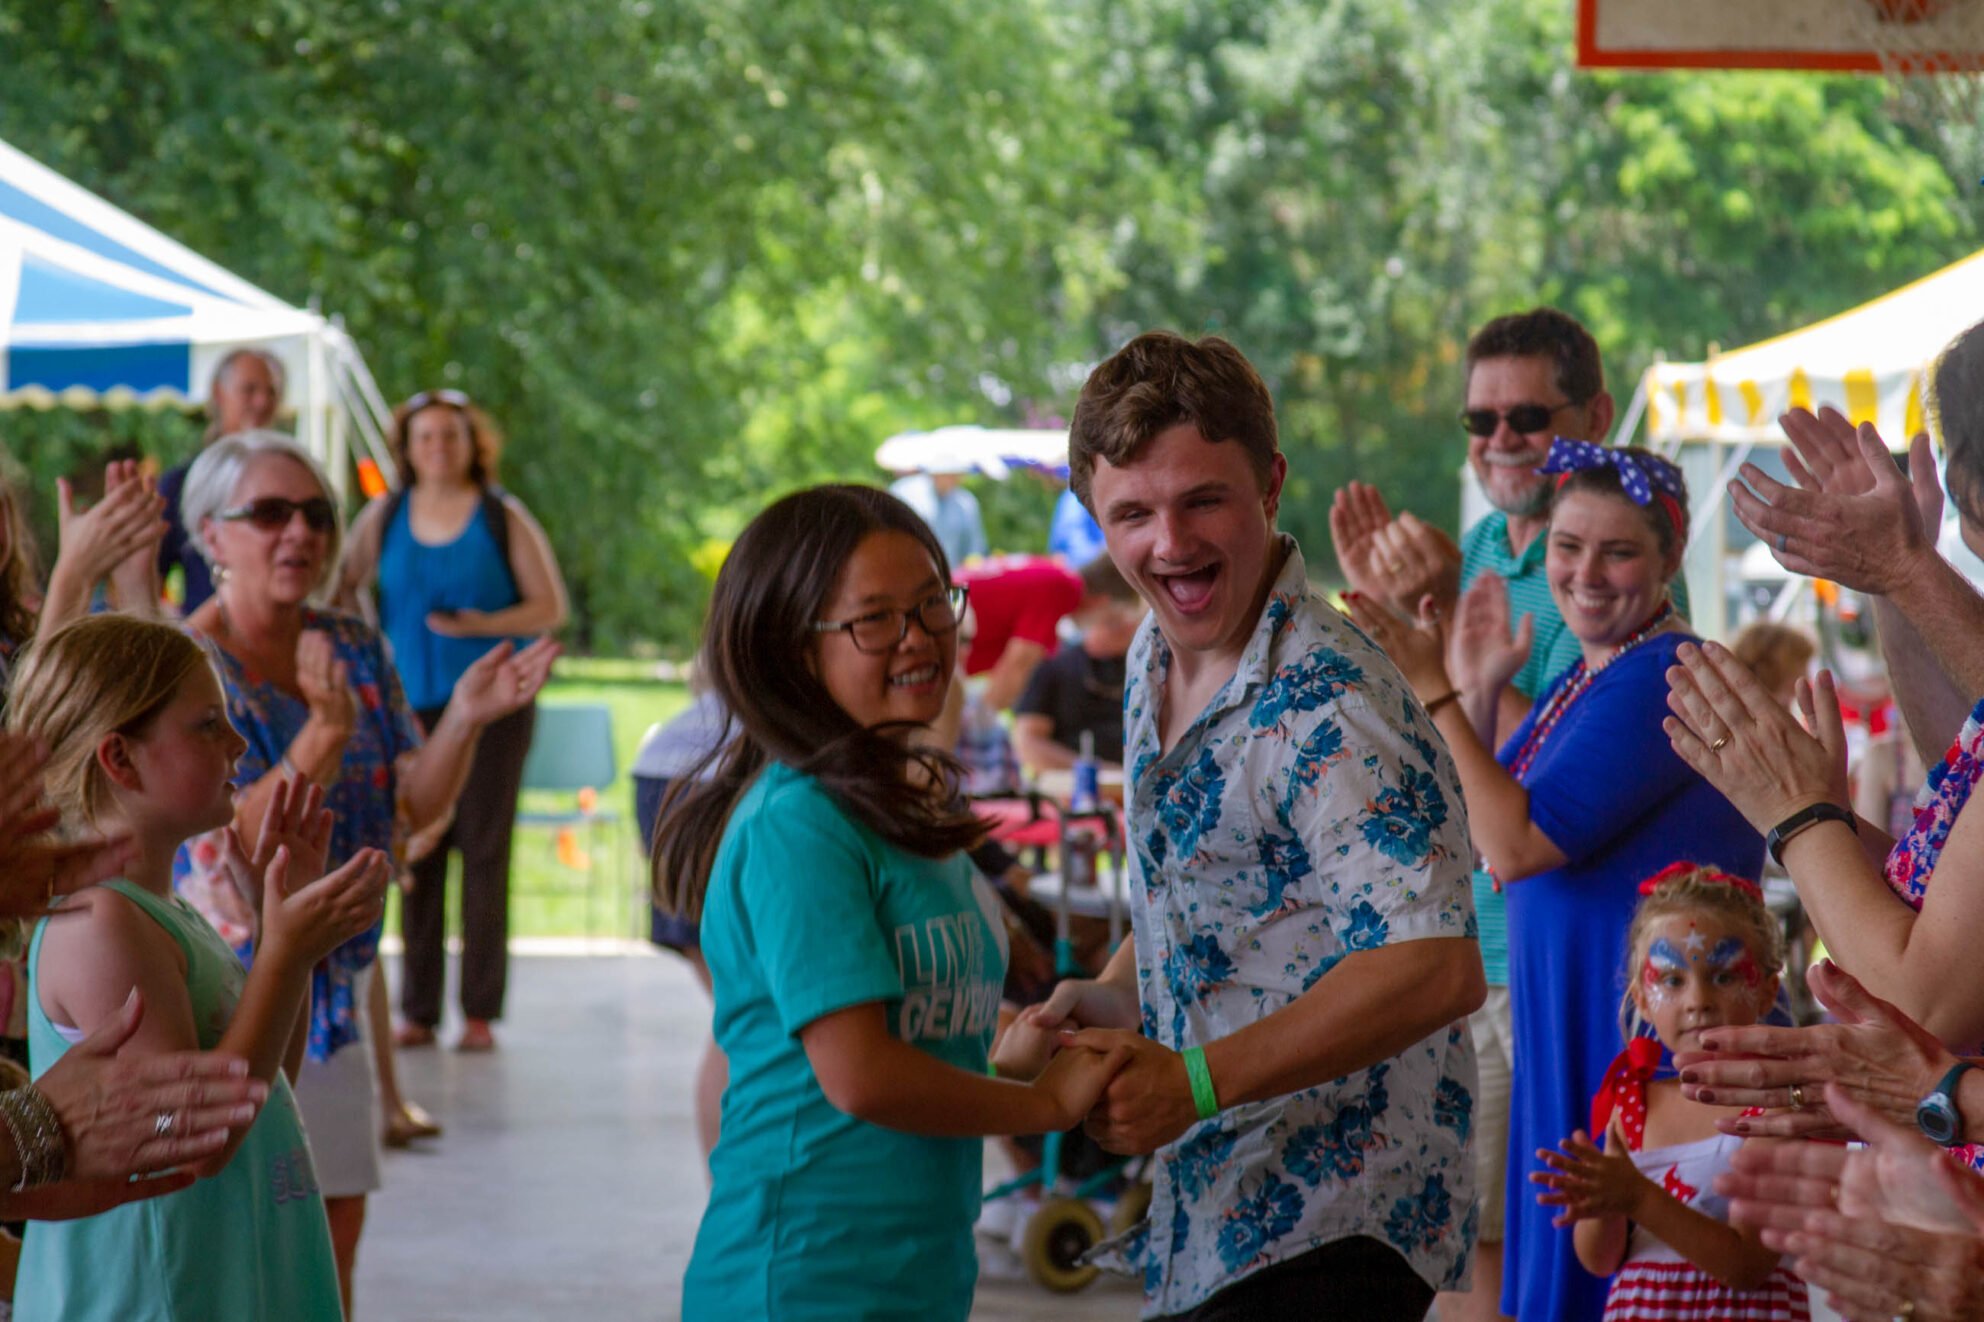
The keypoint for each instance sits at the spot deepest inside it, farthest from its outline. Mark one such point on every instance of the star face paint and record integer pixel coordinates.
(1698, 973)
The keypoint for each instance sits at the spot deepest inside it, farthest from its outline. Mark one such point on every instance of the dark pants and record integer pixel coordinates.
(484, 818)
(1352, 1280)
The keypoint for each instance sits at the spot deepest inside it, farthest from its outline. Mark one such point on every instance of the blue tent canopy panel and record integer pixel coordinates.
(37, 214)
(139, 368)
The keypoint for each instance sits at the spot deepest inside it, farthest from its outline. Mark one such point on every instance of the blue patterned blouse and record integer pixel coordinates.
(363, 801)
(1310, 812)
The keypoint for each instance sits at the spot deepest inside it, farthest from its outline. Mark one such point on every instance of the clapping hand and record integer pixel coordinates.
(294, 819)
(1746, 744)
(1883, 1058)
(109, 1106)
(1486, 651)
(325, 682)
(1417, 647)
(129, 520)
(1585, 1181)
(34, 868)
(1852, 517)
(1396, 560)
(308, 920)
(1892, 1229)
(502, 681)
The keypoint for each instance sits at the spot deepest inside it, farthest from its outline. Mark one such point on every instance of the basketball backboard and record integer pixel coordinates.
(1865, 36)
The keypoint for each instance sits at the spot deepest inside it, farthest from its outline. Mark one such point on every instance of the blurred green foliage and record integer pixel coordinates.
(693, 253)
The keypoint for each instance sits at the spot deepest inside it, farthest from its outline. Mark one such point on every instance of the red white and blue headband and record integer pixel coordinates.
(1643, 477)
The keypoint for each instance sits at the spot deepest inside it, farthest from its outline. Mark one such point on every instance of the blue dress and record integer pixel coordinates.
(1609, 792)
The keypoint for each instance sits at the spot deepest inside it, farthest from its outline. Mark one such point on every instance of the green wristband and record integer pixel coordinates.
(1204, 1099)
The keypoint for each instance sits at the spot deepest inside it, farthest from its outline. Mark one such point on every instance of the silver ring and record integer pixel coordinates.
(1797, 1097)
(1781, 540)
(162, 1123)
(1721, 742)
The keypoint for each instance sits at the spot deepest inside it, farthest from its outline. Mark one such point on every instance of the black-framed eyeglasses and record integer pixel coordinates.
(1525, 418)
(882, 630)
(273, 513)
(452, 398)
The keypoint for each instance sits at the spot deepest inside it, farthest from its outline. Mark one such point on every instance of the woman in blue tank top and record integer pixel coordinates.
(457, 565)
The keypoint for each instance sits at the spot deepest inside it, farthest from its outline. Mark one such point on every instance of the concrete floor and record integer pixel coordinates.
(568, 1183)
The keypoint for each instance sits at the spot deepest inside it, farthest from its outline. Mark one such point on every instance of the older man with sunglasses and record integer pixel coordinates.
(1531, 376)
(246, 396)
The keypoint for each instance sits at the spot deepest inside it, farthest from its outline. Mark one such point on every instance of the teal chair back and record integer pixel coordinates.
(571, 748)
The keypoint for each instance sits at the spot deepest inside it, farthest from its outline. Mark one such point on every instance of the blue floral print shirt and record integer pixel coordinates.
(1309, 812)
(364, 802)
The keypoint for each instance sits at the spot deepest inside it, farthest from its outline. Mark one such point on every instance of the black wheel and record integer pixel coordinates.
(1057, 1235)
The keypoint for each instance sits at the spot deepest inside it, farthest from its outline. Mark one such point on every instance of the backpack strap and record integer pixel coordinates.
(496, 513)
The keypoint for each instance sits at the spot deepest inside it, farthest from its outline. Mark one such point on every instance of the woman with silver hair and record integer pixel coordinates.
(316, 697)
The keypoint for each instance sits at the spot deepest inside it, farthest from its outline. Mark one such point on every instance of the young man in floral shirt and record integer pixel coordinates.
(1303, 954)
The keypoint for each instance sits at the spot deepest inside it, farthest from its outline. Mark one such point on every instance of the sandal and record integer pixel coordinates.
(409, 1122)
(409, 1035)
(476, 1037)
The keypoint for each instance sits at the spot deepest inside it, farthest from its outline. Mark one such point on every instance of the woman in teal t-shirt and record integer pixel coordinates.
(856, 960)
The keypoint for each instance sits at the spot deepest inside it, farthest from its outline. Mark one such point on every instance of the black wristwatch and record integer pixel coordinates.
(1936, 1115)
(1780, 835)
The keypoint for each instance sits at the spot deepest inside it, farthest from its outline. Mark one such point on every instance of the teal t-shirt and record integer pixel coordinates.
(250, 1242)
(1553, 650)
(814, 1214)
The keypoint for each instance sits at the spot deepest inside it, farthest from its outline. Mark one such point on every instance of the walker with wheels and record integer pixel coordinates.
(1061, 1230)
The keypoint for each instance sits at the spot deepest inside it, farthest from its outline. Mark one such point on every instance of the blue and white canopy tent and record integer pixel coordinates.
(98, 309)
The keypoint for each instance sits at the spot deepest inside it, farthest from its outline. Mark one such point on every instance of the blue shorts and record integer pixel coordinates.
(664, 929)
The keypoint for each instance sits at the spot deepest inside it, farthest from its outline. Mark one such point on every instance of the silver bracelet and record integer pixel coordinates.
(39, 1143)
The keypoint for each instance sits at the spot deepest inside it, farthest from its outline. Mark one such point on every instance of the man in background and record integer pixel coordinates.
(1080, 689)
(246, 396)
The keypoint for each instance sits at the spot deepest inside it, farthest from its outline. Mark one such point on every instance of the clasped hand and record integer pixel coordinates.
(1147, 1100)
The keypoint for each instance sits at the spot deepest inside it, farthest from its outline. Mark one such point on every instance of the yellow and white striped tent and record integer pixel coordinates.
(1872, 363)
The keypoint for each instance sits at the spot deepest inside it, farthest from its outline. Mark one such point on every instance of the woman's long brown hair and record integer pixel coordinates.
(755, 658)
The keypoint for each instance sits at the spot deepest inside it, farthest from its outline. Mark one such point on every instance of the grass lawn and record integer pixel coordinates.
(549, 896)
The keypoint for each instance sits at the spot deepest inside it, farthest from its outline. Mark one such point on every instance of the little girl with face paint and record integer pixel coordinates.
(1703, 953)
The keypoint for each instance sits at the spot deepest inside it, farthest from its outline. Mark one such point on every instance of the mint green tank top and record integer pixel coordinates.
(250, 1242)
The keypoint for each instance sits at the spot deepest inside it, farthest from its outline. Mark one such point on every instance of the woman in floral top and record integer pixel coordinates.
(1877, 903)
(315, 695)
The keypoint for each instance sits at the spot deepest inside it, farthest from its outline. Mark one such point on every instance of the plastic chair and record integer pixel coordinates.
(571, 752)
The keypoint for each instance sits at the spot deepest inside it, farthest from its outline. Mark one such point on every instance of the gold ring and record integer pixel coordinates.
(1721, 742)
(1907, 1309)
(1797, 1097)
(1396, 566)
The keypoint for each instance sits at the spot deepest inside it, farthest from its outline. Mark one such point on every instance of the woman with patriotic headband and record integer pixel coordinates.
(1582, 802)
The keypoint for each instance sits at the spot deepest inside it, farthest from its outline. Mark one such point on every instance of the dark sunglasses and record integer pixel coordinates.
(452, 398)
(273, 513)
(1525, 418)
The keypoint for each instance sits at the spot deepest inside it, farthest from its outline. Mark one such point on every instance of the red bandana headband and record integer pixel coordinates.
(1673, 870)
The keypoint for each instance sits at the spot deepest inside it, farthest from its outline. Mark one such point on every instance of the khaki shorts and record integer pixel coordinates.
(1494, 1036)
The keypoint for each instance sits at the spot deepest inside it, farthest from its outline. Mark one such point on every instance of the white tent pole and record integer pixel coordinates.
(1713, 508)
(1629, 422)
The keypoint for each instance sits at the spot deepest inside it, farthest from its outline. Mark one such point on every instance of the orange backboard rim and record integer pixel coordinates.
(1593, 56)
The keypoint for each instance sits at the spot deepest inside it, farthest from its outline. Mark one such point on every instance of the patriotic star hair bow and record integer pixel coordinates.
(1644, 477)
(1624, 1090)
